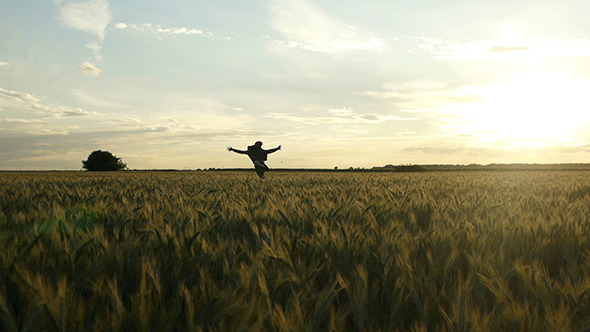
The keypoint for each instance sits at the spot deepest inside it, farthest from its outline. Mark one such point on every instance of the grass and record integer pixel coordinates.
(225, 251)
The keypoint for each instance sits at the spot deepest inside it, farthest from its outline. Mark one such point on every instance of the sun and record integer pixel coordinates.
(535, 109)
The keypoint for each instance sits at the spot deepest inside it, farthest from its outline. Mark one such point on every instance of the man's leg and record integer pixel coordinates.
(260, 167)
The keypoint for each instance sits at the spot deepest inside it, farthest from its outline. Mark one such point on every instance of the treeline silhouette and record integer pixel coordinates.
(105, 161)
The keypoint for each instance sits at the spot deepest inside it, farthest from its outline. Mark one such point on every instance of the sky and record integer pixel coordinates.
(172, 84)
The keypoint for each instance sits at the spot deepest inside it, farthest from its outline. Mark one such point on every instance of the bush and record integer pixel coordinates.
(103, 161)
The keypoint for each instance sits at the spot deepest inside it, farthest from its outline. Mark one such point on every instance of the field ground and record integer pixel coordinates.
(226, 251)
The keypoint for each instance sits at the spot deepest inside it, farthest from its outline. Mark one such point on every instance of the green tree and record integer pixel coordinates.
(103, 161)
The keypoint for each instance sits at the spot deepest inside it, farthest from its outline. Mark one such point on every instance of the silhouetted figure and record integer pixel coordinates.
(258, 156)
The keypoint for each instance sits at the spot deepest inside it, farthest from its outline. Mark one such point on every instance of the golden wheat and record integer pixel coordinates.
(225, 251)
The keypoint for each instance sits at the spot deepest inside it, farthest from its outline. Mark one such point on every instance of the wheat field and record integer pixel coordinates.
(297, 251)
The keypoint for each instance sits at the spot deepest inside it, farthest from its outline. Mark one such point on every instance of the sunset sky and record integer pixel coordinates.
(171, 84)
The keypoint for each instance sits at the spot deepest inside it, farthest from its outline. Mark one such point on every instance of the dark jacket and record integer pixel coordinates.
(256, 153)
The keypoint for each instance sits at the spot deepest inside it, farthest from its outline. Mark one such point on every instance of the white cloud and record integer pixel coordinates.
(93, 101)
(89, 68)
(2, 63)
(502, 49)
(345, 111)
(47, 131)
(20, 97)
(305, 26)
(337, 116)
(74, 113)
(90, 16)
(26, 121)
(95, 47)
(41, 109)
(127, 122)
(349, 130)
(200, 117)
(421, 95)
(159, 30)
(32, 104)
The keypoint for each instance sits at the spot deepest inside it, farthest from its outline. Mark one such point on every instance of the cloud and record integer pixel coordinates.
(95, 47)
(40, 109)
(127, 122)
(90, 16)
(305, 26)
(436, 150)
(421, 95)
(337, 116)
(74, 113)
(345, 111)
(61, 112)
(370, 117)
(49, 132)
(33, 105)
(20, 97)
(179, 132)
(93, 101)
(185, 124)
(501, 49)
(89, 68)
(405, 90)
(157, 125)
(159, 30)
(22, 120)
(2, 63)
(489, 153)
(349, 130)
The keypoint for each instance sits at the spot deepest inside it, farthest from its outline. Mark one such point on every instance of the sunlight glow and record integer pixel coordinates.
(535, 109)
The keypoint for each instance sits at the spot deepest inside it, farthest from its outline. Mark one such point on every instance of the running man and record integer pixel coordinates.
(258, 156)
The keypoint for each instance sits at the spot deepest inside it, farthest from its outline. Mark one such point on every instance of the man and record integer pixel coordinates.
(258, 156)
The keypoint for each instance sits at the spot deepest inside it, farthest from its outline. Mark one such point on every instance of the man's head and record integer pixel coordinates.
(258, 144)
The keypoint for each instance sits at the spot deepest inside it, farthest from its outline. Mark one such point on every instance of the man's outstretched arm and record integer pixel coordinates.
(229, 148)
(274, 150)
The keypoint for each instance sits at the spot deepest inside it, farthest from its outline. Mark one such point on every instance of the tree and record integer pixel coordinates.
(103, 161)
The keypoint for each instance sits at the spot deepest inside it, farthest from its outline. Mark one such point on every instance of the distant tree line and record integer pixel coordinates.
(402, 168)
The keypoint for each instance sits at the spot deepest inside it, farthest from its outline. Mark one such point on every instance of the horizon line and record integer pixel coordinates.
(385, 168)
